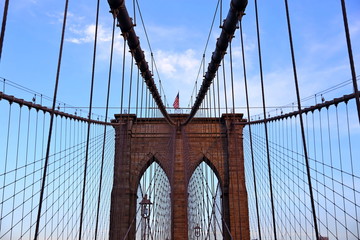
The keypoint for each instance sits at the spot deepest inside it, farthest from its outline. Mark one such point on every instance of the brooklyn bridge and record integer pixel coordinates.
(96, 141)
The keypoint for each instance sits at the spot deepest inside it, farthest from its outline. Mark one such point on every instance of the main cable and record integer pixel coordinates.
(237, 7)
(119, 11)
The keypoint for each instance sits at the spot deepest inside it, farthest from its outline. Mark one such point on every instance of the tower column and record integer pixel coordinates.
(238, 216)
(123, 197)
(179, 192)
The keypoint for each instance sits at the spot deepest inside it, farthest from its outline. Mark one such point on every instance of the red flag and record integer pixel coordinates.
(176, 102)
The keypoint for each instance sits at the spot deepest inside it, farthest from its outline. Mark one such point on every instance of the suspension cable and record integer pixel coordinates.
(232, 79)
(89, 124)
(237, 7)
(137, 91)
(207, 42)
(104, 139)
(250, 133)
(3, 26)
(265, 123)
(351, 59)
(119, 10)
(51, 123)
(225, 91)
(123, 76)
(301, 122)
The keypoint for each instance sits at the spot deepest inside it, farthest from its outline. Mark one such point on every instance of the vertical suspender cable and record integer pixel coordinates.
(207, 43)
(160, 88)
(51, 124)
(149, 104)
(146, 103)
(89, 118)
(218, 92)
(228, 29)
(16, 166)
(220, 14)
(210, 101)
(351, 59)
(265, 121)
(214, 96)
(301, 122)
(104, 139)
(236, 142)
(250, 134)
(131, 78)
(3, 26)
(5, 160)
(33, 178)
(224, 76)
(152, 61)
(206, 103)
(127, 28)
(26, 173)
(142, 97)
(232, 79)
(123, 76)
(137, 91)
(203, 65)
(351, 164)
(134, 8)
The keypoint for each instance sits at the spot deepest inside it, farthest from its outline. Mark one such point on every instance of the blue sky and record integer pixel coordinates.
(178, 31)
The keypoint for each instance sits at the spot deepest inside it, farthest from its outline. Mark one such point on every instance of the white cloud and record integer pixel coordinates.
(181, 66)
(87, 34)
(58, 17)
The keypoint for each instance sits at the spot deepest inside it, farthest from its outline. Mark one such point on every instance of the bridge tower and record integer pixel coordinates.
(179, 150)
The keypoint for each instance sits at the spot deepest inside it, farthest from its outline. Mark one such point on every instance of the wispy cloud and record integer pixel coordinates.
(87, 34)
(58, 17)
(178, 65)
(178, 71)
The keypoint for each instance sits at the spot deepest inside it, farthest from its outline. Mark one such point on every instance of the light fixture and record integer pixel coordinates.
(197, 231)
(145, 207)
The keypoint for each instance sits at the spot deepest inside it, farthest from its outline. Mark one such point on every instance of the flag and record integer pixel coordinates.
(176, 102)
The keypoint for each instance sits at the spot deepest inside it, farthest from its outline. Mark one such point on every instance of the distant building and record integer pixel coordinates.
(323, 238)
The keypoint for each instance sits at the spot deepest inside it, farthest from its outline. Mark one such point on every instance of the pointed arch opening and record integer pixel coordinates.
(204, 204)
(153, 208)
